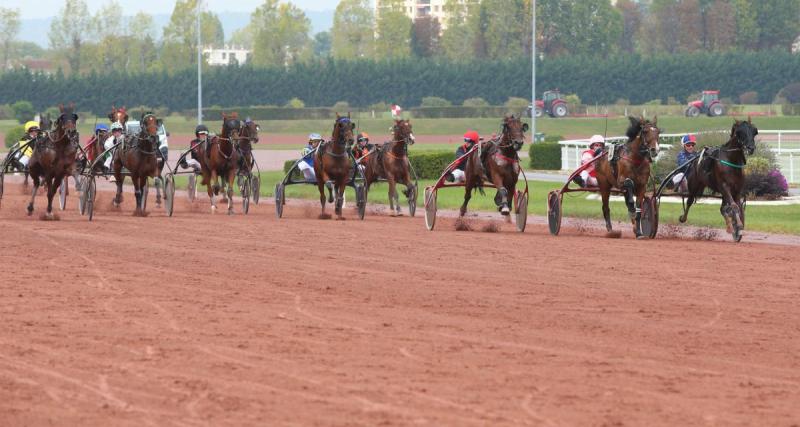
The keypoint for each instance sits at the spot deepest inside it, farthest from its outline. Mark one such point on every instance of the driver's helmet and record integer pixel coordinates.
(596, 141)
(689, 140)
(116, 126)
(100, 128)
(31, 126)
(363, 138)
(471, 136)
(314, 137)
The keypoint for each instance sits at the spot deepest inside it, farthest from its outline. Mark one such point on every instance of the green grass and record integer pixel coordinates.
(773, 219)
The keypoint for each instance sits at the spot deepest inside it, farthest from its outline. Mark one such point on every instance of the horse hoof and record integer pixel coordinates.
(230, 212)
(505, 210)
(30, 210)
(213, 209)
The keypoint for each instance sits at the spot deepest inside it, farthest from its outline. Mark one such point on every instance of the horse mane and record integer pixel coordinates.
(634, 129)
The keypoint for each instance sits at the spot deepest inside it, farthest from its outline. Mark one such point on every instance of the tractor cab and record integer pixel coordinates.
(551, 103)
(708, 103)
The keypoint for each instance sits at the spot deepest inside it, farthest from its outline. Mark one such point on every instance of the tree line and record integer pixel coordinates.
(630, 77)
(279, 33)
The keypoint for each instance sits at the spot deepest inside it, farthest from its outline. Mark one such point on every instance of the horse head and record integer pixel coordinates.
(248, 134)
(745, 134)
(402, 132)
(231, 125)
(66, 124)
(118, 115)
(45, 123)
(647, 133)
(343, 131)
(513, 134)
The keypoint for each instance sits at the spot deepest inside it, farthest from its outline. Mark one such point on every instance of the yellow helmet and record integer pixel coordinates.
(31, 125)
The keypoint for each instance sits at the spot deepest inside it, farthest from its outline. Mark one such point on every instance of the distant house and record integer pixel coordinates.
(35, 65)
(228, 55)
(415, 9)
(796, 45)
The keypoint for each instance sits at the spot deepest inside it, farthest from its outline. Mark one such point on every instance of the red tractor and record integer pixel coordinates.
(708, 104)
(553, 104)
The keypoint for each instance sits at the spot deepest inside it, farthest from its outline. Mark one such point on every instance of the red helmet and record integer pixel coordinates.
(471, 135)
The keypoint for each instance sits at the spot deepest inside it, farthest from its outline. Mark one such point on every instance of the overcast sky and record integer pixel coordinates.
(46, 8)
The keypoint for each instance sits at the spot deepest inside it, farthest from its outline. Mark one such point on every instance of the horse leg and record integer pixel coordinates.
(394, 200)
(689, 201)
(137, 192)
(157, 185)
(467, 195)
(726, 209)
(51, 192)
(118, 198)
(231, 178)
(604, 195)
(638, 220)
(340, 186)
(212, 197)
(501, 198)
(36, 184)
(322, 198)
(629, 187)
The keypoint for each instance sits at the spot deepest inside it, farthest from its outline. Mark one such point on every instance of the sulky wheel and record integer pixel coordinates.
(255, 186)
(169, 194)
(280, 199)
(648, 225)
(191, 188)
(554, 212)
(430, 207)
(63, 189)
(1, 184)
(412, 200)
(522, 211)
(91, 192)
(82, 195)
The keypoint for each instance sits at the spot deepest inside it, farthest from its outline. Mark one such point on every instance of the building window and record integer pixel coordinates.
(224, 55)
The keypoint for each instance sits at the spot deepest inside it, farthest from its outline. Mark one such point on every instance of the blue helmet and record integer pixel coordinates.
(689, 139)
(102, 127)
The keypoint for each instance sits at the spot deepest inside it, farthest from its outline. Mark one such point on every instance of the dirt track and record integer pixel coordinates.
(248, 320)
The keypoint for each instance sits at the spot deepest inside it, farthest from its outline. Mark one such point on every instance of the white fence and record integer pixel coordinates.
(785, 144)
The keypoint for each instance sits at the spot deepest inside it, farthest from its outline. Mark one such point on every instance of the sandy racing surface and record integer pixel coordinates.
(250, 320)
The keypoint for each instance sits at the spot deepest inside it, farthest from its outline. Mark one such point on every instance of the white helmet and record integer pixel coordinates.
(314, 137)
(596, 139)
(116, 126)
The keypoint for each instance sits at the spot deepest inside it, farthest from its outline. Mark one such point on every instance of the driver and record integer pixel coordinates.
(685, 155)
(201, 139)
(588, 177)
(306, 165)
(115, 138)
(24, 144)
(470, 139)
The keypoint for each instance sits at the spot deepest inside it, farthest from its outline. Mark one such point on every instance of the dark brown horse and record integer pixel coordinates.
(722, 170)
(390, 162)
(244, 144)
(118, 115)
(333, 164)
(54, 156)
(629, 170)
(496, 161)
(138, 154)
(221, 159)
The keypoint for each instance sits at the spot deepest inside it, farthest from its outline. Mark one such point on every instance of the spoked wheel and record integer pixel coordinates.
(169, 193)
(82, 196)
(255, 186)
(554, 212)
(648, 225)
(91, 192)
(62, 194)
(430, 208)
(412, 200)
(191, 188)
(244, 189)
(361, 200)
(522, 211)
(280, 199)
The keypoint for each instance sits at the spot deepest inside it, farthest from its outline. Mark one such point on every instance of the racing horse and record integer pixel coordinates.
(628, 169)
(118, 115)
(248, 136)
(391, 163)
(722, 170)
(221, 159)
(139, 156)
(333, 164)
(496, 161)
(54, 156)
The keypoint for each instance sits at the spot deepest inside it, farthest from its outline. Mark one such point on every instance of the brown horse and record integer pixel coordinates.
(54, 156)
(391, 163)
(221, 159)
(139, 156)
(333, 164)
(629, 170)
(248, 136)
(496, 161)
(722, 170)
(118, 115)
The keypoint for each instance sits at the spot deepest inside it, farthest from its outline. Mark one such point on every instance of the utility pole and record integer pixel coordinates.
(533, 72)
(199, 66)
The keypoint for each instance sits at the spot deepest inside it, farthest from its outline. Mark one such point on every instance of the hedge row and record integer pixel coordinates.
(273, 113)
(427, 164)
(545, 156)
(638, 79)
(459, 112)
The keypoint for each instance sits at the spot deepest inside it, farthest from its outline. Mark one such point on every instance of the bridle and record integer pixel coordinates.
(144, 135)
(644, 150)
(339, 139)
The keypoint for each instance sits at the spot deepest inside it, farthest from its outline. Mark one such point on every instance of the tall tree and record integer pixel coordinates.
(721, 26)
(322, 44)
(747, 30)
(425, 36)
(779, 21)
(461, 29)
(353, 31)
(584, 27)
(393, 30)
(9, 27)
(631, 23)
(68, 32)
(280, 34)
(502, 27)
(690, 18)
(180, 34)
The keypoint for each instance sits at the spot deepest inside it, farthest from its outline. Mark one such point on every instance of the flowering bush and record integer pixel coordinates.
(770, 185)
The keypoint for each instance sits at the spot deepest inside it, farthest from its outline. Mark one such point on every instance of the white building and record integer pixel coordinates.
(796, 45)
(229, 55)
(421, 8)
